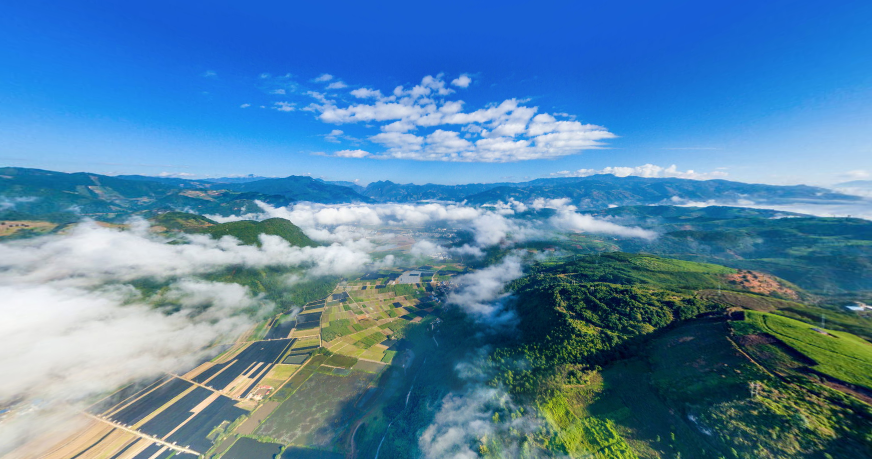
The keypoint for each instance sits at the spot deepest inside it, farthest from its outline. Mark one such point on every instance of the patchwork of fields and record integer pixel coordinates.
(293, 385)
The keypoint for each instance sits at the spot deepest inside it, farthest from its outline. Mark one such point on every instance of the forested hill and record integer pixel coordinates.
(637, 356)
(249, 231)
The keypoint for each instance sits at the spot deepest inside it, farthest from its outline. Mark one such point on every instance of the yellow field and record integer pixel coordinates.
(8, 228)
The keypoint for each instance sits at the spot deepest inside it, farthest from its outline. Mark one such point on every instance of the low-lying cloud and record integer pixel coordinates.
(646, 170)
(74, 326)
(490, 226)
(856, 209)
(481, 294)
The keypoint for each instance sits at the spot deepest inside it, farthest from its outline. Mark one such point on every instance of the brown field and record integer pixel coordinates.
(760, 283)
(250, 425)
(8, 228)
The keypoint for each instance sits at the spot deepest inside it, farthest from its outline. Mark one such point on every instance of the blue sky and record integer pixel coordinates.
(776, 92)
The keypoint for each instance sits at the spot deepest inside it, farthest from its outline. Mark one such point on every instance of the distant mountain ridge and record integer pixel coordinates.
(41, 192)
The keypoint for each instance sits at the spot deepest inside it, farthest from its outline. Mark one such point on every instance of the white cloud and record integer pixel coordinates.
(283, 106)
(646, 170)
(209, 74)
(571, 221)
(245, 106)
(462, 81)
(856, 209)
(97, 333)
(333, 136)
(351, 154)
(177, 174)
(337, 85)
(278, 91)
(857, 174)
(503, 132)
(366, 93)
(325, 77)
(465, 421)
(481, 294)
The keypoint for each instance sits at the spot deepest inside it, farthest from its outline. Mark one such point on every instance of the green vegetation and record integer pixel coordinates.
(585, 436)
(841, 355)
(820, 254)
(248, 232)
(335, 329)
(370, 340)
(182, 221)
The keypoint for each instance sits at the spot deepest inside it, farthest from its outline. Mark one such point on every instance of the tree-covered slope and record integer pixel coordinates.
(624, 358)
(249, 231)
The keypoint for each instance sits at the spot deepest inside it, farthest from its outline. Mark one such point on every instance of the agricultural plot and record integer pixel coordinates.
(296, 359)
(253, 362)
(308, 318)
(138, 409)
(838, 354)
(126, 394)
(249, 448)
(195, 433)
(318, 413)
(341, 361)
(368, 367)
(175, 414)
(281, 328)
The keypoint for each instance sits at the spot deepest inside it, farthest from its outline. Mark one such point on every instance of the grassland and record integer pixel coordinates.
(840, 355)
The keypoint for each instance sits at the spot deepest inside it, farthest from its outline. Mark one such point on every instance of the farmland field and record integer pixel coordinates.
(249, 448)
(838, 354)
(195, 433)
(311, 417)
(142, 407)
(265, 353)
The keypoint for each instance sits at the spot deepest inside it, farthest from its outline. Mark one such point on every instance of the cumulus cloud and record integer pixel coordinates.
(366, 93)
(646, 170)
(283, 106)
(245, 106)
(422, 123)
(337, 85)
(351, 154)
(462, 81)
(325, 77)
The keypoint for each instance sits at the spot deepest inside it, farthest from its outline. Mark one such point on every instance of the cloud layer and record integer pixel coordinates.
(74, 326)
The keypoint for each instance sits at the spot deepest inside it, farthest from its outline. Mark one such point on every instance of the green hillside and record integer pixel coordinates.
(248, 231)
(182, 221)
(822, 254)
(625, 358)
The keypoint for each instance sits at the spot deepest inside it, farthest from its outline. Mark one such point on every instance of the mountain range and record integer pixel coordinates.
(66, 195)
